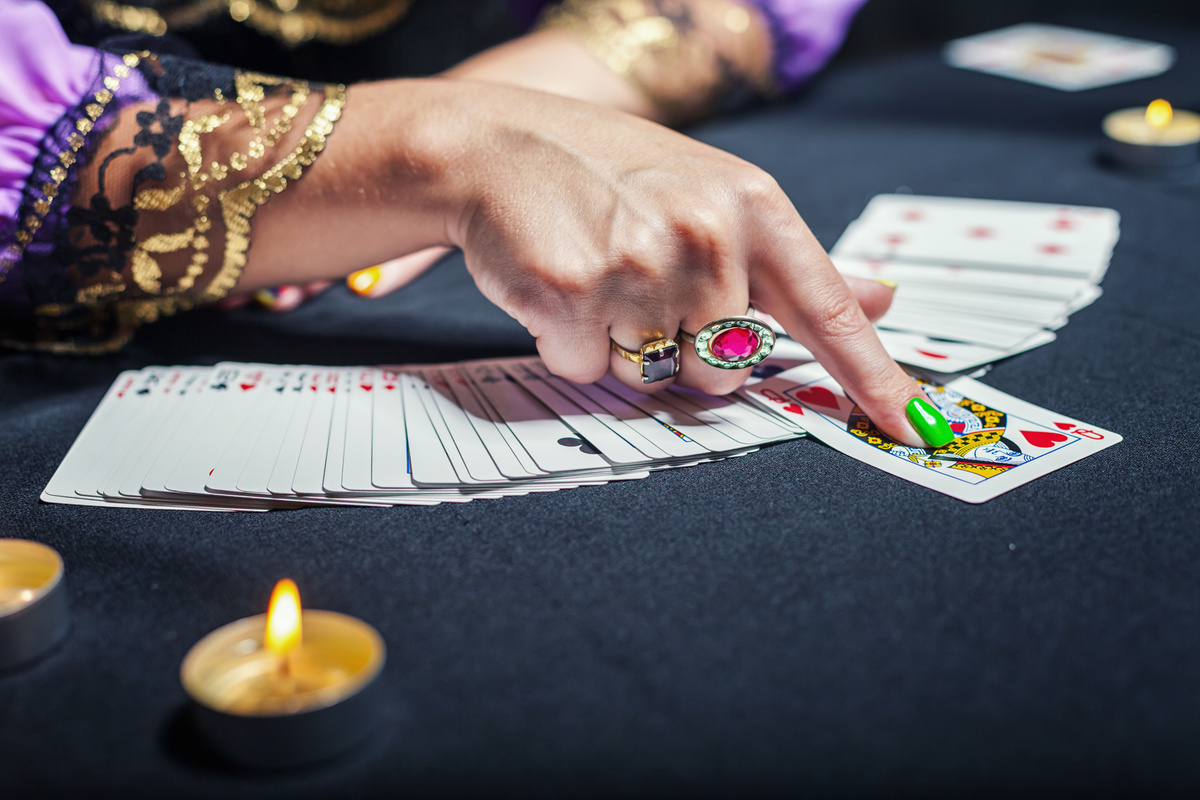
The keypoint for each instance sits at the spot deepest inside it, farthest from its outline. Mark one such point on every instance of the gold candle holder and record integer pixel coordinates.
(266, 699)
(33, 602)
(1157, 137)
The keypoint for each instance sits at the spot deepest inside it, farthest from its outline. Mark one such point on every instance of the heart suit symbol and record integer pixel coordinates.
(1043, 438)
(818, 396)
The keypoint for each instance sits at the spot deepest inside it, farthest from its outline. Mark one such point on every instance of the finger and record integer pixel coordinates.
(280, 299)
(874, 296)
(632, 337)
(313, 289)
(797, 284)
(694, 372)
(232, 302)
(391, 275)
(574, 349)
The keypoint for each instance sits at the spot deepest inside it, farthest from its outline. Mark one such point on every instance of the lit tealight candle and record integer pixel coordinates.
(286, 688)
(33, 603)
(1156, 136)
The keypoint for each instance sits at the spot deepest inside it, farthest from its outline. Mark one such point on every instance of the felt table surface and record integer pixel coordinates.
(791, 622)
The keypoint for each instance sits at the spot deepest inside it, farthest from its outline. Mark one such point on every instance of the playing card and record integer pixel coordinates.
(145, 439)
(321, 384)
(255, 473)
(656, 431)
(1067, 241)
(961, 326)
(309, 478)
(461, 444)
(586, 426)
(510, 458)
(92, 445)
(552, 445)
(264, 407)
(736, 419)
(339, 419)
(232, 393)
(578, 395)
(1061, 58)
(182, 409)
(135, 403)
(952, 280)
(187, 436)
(936, 354)
(360, 422)
(1000, 442)
(714, 435)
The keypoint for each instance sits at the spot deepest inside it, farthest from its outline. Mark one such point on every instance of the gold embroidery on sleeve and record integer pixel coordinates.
(237, 204)
(290, 21)
(193, 216)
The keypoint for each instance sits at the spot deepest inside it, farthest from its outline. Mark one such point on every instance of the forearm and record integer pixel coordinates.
(667, 60)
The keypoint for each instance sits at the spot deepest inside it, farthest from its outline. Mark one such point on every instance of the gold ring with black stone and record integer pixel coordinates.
(658, 359)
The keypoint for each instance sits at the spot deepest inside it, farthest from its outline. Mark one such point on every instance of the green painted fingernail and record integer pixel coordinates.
(929, 422)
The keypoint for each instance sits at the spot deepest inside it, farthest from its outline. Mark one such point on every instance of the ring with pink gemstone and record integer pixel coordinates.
(732, 342)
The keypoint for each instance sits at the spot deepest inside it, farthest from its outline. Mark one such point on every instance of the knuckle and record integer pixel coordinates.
(704, 224)
(838, 317)
(760, 189)
(578, 369)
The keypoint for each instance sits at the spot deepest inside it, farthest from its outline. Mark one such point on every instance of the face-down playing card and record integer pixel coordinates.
(1062, 240)
(1061, 58)
(1000, 442)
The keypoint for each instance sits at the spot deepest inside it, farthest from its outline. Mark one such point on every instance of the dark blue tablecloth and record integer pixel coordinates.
(840, 633)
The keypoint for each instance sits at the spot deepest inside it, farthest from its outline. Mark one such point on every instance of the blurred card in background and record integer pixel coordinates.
(1061, 58)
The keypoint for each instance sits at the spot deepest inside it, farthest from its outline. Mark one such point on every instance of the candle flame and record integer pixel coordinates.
(283, 618)
(1158, 114)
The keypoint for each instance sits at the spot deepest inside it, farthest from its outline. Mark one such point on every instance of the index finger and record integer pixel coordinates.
(795, 282)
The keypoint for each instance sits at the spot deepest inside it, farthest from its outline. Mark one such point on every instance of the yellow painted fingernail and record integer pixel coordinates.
(364, 280)
(890, 284)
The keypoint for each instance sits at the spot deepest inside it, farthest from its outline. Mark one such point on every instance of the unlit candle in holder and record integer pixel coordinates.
(33, 602)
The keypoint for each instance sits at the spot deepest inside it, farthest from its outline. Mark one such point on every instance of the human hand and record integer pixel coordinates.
(585, 224)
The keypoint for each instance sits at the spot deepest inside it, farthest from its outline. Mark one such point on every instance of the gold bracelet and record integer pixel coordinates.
(684, 73)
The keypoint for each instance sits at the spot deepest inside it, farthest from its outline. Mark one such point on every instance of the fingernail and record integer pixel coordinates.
(929, 422)
(364, 280)
(890, 284)
(267, 298)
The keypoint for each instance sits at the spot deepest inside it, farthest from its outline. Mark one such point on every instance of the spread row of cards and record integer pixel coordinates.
(256, 436)
(978, 280)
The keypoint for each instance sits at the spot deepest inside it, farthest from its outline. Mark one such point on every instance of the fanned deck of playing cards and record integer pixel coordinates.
(1061, 58)
(979, 280)
(254, 437)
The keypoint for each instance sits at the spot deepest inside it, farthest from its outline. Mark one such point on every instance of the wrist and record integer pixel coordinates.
(408, 142)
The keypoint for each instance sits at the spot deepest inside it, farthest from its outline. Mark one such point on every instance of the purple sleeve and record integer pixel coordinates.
(44, 75)
(806, 34)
